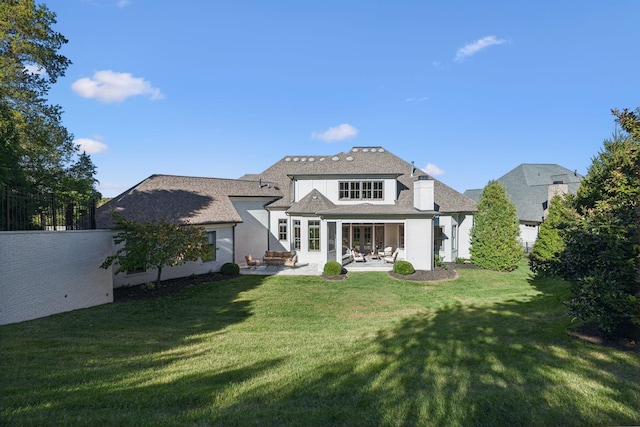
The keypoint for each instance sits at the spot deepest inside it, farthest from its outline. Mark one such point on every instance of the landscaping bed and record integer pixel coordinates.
(166, 287)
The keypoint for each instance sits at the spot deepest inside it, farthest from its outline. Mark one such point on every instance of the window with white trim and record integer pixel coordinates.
(210, 248)
(361, 190)
(454, 237)
(282, 229)
(297, 235)
(314, 235)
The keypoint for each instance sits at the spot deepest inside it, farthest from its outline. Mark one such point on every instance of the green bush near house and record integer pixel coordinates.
(230, 269)
(332, 268)
(403, 267)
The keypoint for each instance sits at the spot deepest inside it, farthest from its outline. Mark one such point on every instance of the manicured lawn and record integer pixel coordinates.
(485, 349)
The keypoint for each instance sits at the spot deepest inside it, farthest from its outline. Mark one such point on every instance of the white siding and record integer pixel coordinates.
(330, 188)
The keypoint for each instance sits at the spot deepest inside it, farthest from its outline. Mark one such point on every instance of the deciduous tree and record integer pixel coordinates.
(37, 152)
(156, 244)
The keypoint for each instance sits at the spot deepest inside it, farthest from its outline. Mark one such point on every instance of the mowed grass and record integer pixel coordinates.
(485, 349)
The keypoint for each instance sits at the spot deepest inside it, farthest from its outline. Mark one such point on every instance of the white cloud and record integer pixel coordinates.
(433, 170)
(90, 146)
(477, 46)
(109, 86)
(123, 3)
(421, 99)
(336, 133)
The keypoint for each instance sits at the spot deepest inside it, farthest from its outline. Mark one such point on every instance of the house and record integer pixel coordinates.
(530, 188)
(367, 199)
(217, 205)
(321, 207)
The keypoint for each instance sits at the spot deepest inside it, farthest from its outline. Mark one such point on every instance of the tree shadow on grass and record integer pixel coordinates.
(502, 364)
(508, 363)
(90, 353)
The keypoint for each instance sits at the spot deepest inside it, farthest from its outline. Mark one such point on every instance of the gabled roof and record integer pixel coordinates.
(527, 186)
(184, 199)
(364, 162)
(312, 203)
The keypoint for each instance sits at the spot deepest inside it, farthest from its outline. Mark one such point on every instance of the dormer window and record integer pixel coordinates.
(361, 190)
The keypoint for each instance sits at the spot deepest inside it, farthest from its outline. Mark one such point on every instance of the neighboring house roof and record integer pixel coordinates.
(527, 186)
(363, 162)
(184, 199)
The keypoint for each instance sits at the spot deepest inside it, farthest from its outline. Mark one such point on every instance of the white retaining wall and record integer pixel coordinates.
(48, 272)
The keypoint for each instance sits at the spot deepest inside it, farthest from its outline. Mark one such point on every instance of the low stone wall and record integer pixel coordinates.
(48, 272)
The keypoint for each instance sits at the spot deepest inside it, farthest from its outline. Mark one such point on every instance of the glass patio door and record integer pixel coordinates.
(362, 238)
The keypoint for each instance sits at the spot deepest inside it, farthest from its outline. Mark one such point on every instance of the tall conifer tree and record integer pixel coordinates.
(495, 242)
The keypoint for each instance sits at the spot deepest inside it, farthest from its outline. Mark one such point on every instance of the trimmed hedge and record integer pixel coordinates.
(333, 268)
(230, 269)
(403, 267)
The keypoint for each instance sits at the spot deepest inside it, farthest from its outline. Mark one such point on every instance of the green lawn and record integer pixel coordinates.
(486, 349)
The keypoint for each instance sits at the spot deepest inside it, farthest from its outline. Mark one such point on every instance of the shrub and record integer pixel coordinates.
(230, 269)
(439, 262)
(333, 268)
(545, 256)
(403, 267)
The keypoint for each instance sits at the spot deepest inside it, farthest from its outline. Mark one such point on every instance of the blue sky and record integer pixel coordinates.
(467, 90)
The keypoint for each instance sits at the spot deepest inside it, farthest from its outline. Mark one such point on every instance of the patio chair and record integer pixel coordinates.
(291, 262)
(392, 259)
(358, 257)
(251, 263)
(388, 251)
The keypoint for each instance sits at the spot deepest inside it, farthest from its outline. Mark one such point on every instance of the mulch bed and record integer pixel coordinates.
(592, 333)
(447, 273)
(166, 287)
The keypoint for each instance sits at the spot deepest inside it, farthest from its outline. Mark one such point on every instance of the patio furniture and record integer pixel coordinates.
(251, 263)
(388, 251)
(392, 259)
(291, 262)
(276, 258)
(358, 257)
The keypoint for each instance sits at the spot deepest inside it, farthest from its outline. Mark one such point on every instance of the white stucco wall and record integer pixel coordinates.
(419, 243)
(528, 234)
(252, 234)
(224, 254)
(465, 224)
(274, 243)
(49, 272)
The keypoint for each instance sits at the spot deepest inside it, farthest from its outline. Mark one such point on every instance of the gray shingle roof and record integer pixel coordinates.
(527, 187)
(312, 203)
(369, 162)
(181, 199)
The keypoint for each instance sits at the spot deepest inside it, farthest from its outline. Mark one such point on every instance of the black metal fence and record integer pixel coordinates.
(26, 211)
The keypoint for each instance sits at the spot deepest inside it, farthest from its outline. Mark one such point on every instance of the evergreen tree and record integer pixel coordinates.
(495, 241)
(602, 255)
(549, 246)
